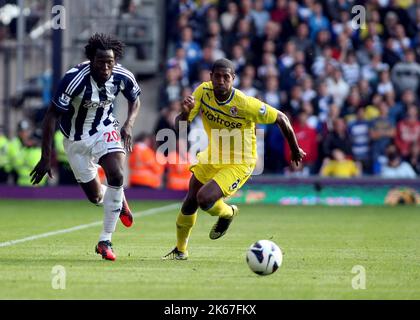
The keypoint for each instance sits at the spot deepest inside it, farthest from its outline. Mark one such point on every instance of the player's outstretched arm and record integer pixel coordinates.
(44, 164)
(127, 128)
(283, 122)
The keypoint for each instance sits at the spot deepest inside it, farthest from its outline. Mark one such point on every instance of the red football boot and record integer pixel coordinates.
(125, 215)
(104, 248)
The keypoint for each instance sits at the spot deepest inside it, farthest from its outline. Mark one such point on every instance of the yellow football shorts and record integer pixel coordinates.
(229, 177)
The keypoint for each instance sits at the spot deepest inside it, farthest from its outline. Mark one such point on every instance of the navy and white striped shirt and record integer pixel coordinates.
(86, 107)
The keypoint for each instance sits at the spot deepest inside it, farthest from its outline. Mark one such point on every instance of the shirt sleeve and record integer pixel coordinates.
(260, 112)
(67, 90)
(131, 88)
(198, 93)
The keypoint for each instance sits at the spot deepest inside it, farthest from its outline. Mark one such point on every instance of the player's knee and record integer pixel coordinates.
(205, 200)
(115, 178)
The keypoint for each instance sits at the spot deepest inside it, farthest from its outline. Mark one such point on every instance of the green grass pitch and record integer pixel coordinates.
(321, 246)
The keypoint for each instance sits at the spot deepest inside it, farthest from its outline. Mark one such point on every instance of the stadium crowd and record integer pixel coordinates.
(351, 87)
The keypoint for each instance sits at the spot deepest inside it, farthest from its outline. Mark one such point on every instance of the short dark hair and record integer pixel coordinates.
(104, 42)
(223, 63)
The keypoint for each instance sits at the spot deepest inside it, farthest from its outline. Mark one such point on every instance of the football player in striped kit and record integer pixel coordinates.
(83, 105)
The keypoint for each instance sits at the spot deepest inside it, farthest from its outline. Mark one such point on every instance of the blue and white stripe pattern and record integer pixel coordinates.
(87, 107)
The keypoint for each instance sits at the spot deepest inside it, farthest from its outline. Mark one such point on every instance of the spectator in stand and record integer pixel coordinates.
(359, 135)
(191, 47)
(308, 92)
(394, 167)
(260, 17)
(290, 24)
(145, 168)
(322, 59)
(406, 74)
(301, 40)
(385, 85)
(294, 102)
(382, 133)
(372, 70)
(271, 93)
(180, 61)
(408, 132)
(351, 105)
(338, 138)
(287, 58)
(171, 88)
(229, 18)
(317, 21)
(396, 109)
(367, 52)
(338, 88)
(305, 9)
(351, 68)
(247, 87)
(279, 13)
(268, 66)
(238, 58)
(322, 101)
(293, 78)
(339, 166)
(390, 56)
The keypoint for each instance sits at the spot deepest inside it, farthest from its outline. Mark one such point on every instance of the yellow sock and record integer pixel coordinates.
(184, 224)
(220, 209)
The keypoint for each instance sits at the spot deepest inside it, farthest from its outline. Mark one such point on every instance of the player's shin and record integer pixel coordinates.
(112, 207)
(220, 209)
(184, 225)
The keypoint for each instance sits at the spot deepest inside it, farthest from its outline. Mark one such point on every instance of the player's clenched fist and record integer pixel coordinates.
(188, 104)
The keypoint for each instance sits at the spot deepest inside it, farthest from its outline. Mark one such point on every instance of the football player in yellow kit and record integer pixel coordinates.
(228, 116)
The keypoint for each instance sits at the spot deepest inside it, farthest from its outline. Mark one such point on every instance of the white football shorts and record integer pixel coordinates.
(83, 155)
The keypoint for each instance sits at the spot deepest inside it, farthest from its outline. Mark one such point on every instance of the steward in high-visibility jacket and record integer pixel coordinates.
(145, 169)
(65, 173)
(27, 160)
(178, 171)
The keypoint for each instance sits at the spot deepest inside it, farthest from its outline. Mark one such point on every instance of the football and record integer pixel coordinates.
(264, 257)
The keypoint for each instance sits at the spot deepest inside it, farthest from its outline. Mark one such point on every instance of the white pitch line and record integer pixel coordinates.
(144, 213)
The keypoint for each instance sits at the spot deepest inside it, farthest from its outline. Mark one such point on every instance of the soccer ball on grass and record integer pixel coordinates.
(264, 257)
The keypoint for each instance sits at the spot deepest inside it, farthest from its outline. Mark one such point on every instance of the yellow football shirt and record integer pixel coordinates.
(340, 169)
(230, 125)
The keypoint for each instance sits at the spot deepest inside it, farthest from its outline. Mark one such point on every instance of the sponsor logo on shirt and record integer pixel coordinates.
(93, 104)
(263, 109)
(216, 118)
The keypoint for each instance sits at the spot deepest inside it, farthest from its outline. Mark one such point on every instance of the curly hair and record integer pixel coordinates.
(104, 42)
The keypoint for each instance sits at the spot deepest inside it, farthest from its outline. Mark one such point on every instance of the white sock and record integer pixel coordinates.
(112, 207)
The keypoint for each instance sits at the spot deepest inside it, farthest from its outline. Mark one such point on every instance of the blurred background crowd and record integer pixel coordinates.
(350, 87)
(351, 91)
